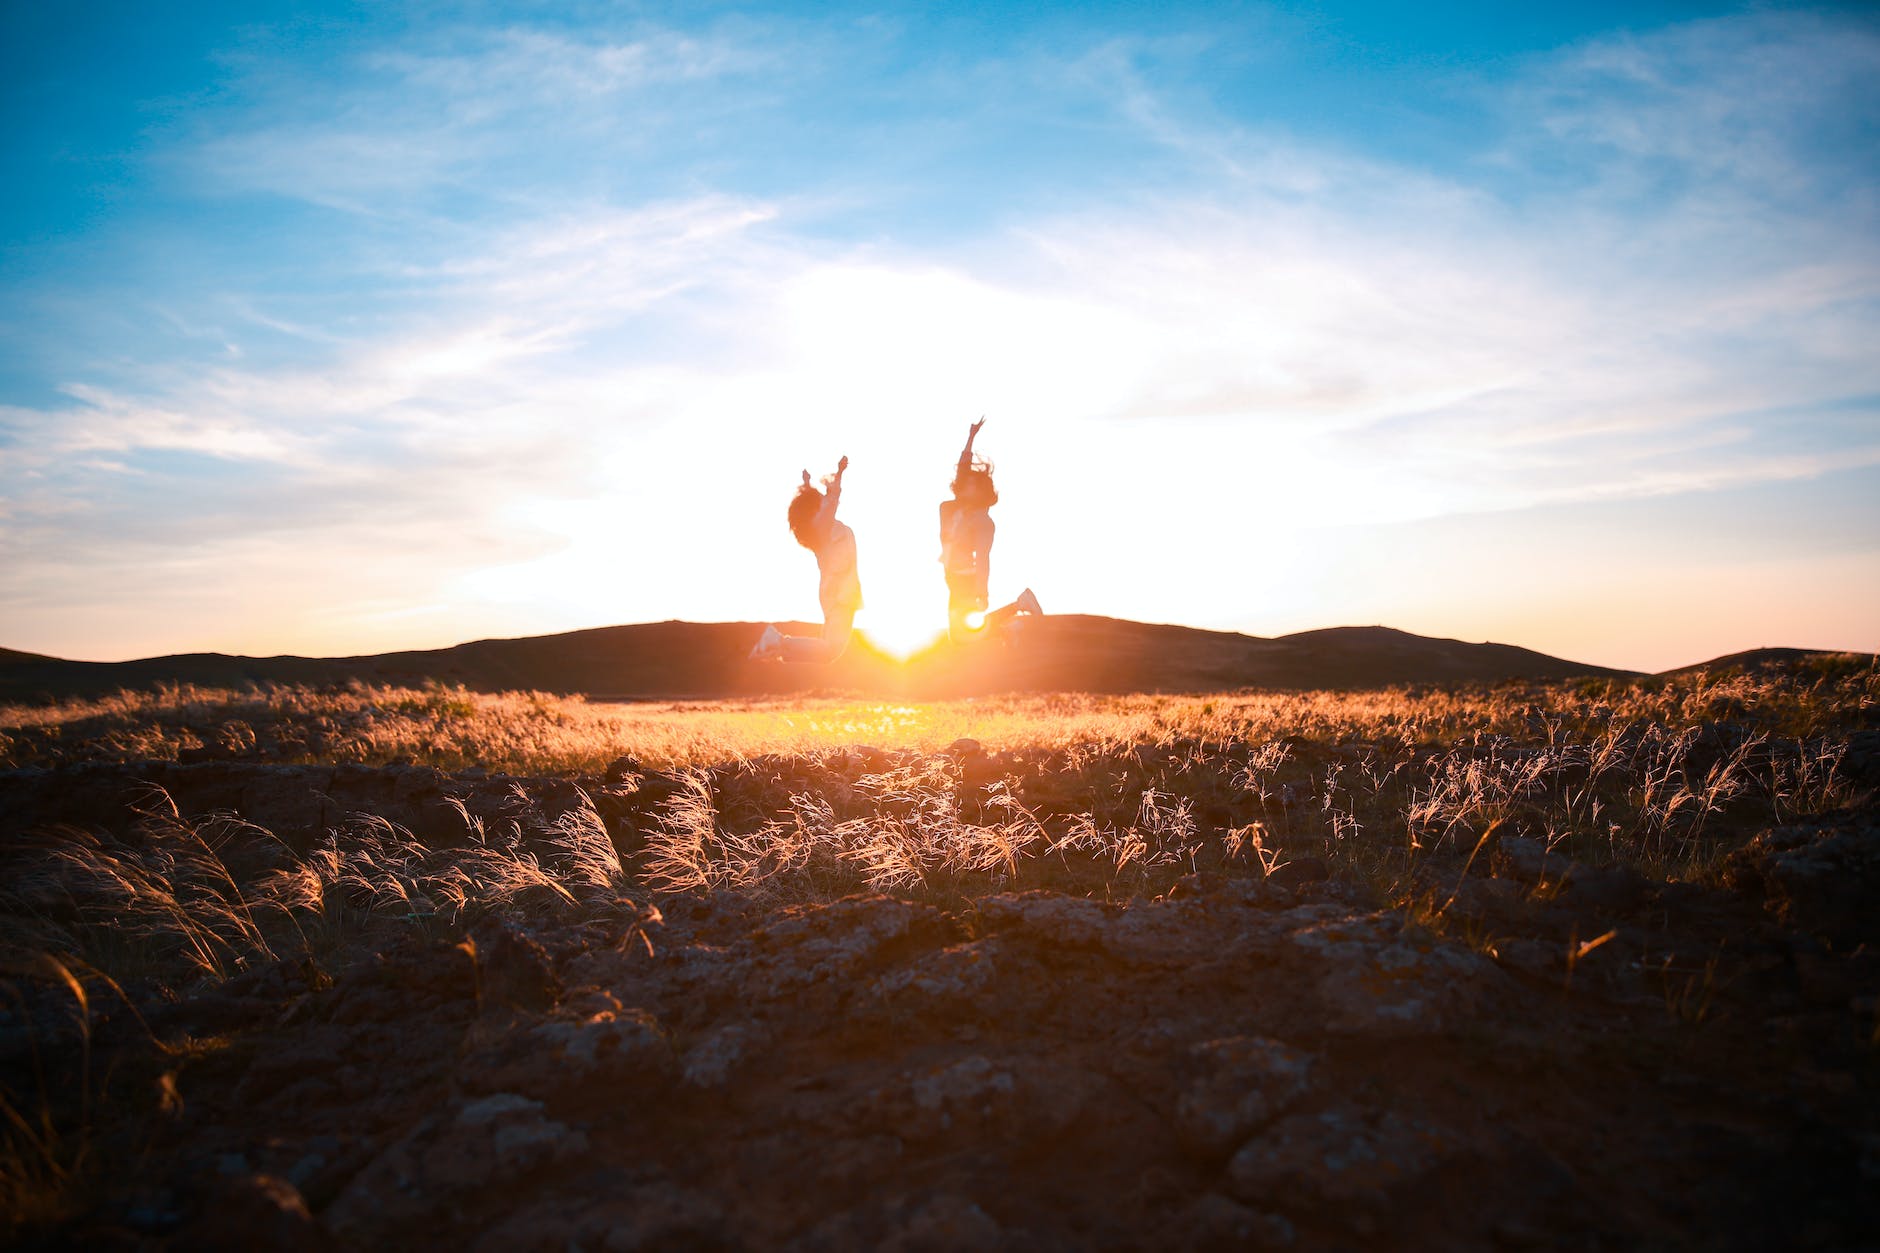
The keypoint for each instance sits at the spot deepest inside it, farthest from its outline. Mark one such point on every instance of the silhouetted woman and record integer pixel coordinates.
(813, 522)
(966, 532)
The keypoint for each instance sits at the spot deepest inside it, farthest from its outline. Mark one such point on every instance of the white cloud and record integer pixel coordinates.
(404, 131)
(594, 413)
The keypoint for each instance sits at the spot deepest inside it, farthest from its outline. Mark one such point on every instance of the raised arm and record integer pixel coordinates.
(966, 453)
(832, 488)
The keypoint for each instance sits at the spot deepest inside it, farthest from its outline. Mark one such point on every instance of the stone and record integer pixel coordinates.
(1605, 890)
(1537, 958)
(970, 1093)
(1528, 861)
(245, 1210)
(1213, 1222)
(566, 1057)
(1047, 917)
(1335, 1164)
(1826, 883)
(290, 802)
(948, 981)
(943, 1224)
(832, 944)
(1300, 869)
(499, 1138)
(1243, 1083)
(513, 970)
(1377, 979)
(712, 1061)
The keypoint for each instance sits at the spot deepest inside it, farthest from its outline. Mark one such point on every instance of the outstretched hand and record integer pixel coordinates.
(806, 478)
(975, 429)
(842, 464)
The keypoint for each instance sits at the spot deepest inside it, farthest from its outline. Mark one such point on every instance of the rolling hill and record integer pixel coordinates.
(707, 659)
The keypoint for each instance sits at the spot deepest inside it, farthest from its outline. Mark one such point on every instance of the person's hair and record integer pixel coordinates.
(972, 484)
(804, 507)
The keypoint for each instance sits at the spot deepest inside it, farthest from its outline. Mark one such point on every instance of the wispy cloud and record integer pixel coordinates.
(547, 361)
(391, 132)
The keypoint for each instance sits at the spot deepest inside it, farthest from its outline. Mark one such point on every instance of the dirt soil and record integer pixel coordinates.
(1574, 1059)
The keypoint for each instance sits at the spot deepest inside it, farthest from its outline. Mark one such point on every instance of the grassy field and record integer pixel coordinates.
(585, 818)
(534, 732)
(804, 800)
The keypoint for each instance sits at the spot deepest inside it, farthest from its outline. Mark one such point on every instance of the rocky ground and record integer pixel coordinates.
(1544, 1055)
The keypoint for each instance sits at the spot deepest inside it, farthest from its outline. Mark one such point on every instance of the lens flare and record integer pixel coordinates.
(975, 620)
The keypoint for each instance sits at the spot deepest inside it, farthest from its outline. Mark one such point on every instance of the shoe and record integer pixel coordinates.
(767, 644)
(1028, 602)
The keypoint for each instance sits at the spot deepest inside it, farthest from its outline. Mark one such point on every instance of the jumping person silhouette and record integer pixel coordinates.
(966, 532)
(813, 522)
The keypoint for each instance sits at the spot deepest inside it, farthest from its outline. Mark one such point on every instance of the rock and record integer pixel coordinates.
(290, 802)
(1214, 1222)
(943, 1224)
(573, 1057)
(1605, 890)
(1047, 917)
(978, 768)
(414, 784)
(1337, 1164)
(314, 1049)
(970, 1093)
(1822, 880)
(1262, 893)
(712, 1061)
(1528, 861)
(1162, 933)
(1537, 958)
(513, 971)
(665, 1216)
(412, 978)
(1862, 761)
(1014, 1100)
(646, 1217)
(496, 1139)
(253, 1211)
(1488, 898)
(1243, 1083)
(867, 759)
(948, 981)
(501, 1135)
(1302, 868)
(1376, 979)
(831, 945)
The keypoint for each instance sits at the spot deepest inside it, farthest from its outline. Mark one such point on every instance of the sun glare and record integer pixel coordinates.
(975, 620)
(900, 635)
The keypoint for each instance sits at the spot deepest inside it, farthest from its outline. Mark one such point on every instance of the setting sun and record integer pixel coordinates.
(906, 609)
(901, 636)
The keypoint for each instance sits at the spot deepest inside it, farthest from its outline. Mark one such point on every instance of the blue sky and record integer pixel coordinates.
(343, 329)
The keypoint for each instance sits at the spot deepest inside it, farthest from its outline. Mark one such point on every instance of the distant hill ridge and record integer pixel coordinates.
(1071, 652)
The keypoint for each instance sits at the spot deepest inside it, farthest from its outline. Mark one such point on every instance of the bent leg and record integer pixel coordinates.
(1026, 605)
(838, 626)
(838, 629)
